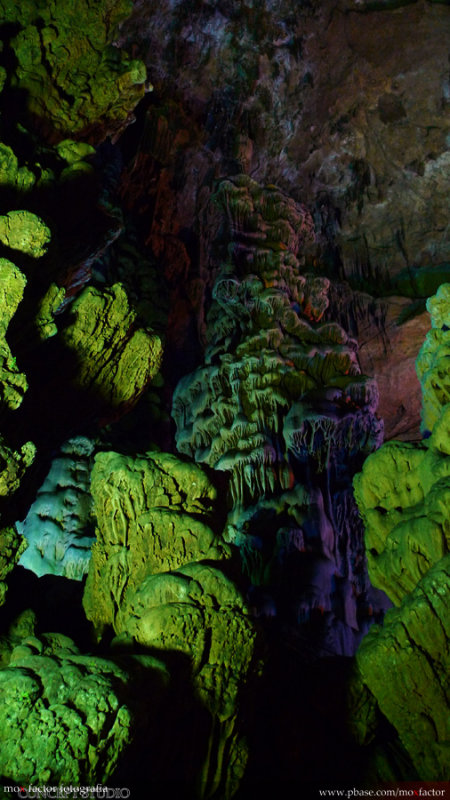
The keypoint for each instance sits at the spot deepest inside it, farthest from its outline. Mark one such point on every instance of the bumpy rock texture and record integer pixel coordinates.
(358, 135)
(76, 81)
(153, 515)
(63, 719)
(115, 359)
(272, 305)
(146, 579)
(404, 497)
(58, 527)
(281, 393)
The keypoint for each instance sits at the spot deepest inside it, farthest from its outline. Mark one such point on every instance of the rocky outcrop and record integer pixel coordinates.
(58, 528)
(153, 514)
(76, 80)
(196, 611)
(403, 494)
(156, 577)
(63, 716)
(115, 359)
(281, 401)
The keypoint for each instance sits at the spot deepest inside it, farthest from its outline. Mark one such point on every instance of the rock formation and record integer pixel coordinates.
(280, 403)
(206, 320)
(403, 494)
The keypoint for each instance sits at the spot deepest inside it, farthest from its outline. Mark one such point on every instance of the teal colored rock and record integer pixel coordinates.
(58, 528)
(25, 232)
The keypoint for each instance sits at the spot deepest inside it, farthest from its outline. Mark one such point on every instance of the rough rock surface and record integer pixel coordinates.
(281, 401)
(76, 81)
(115, 358)
(405, 665)
(403, 494)
(58, 527)
(320, 100)
(63, 720)
(13, 383)
(153, 515)
(198, 612)
(11, 547)
(403, 489)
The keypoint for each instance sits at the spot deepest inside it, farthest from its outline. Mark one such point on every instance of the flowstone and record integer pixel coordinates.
(403, 494)
(198, 612)
(433, 361)
(154, 514)
(115, 358)
(156, 577)
(13, 383)
(281, 396)
(77, 82)
(58, 527)
(63, 719)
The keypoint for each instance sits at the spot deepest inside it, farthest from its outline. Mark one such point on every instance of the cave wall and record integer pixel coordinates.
(223, 229)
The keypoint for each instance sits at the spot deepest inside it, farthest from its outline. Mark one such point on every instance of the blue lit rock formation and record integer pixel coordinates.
(58, 527)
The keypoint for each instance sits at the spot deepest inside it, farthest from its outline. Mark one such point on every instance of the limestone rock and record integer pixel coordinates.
(405, 664)
(24, 231)
(198, 612)
(433, 361)
(58, 528)
(63, 719)
(11, 547)
(404, 487)
(77, 82)
(275, 380)
(153, 515)
(13, 383)
(403, 495)
(13, 464)
(115, 358)
(281, 400)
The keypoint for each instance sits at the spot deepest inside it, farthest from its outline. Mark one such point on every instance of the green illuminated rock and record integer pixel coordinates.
(155, 577)
(198, 612)
(406, 664)
(10, 172)
(13, 464)
(403, 491)
(13, 383)
(403, 495)
(49, 303)
(276, 380)
(77, 82)
(153, 515)
(25, 232)
(433, 361)
(11, 547)
(63, 718)
(116, 359)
